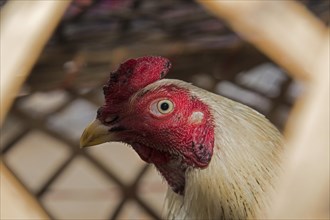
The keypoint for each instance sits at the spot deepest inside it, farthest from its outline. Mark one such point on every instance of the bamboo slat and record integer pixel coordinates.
(25, 28)
(16, 203)
(291, 36)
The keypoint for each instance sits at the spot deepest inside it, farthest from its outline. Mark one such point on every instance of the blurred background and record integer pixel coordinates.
(40, 136)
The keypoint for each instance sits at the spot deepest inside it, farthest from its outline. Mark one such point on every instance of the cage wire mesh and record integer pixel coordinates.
(40, 138)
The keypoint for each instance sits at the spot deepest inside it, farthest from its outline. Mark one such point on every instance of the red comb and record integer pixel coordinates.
(133, 75)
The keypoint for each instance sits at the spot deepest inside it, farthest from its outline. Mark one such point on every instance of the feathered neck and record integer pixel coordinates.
(238, 181)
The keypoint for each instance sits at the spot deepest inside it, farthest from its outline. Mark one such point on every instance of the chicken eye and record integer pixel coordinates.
(165, 106)
(162, 107)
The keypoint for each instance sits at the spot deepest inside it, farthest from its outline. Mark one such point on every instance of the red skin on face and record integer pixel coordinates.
(172, 142)
(173, 132)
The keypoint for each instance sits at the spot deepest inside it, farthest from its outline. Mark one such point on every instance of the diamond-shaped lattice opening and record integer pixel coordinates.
(152, 189)
(265, 78)
(43, 103)
(120, 159)
(294, 91)
(133, 210)
(95, 94)
(245, 96)
(34, 158)
(82, 192)
(73, 119)
(9, 130)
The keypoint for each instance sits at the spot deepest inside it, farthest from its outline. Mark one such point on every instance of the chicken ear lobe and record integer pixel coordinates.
(202, 146)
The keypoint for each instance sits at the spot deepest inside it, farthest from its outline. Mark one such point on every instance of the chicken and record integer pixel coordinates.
(220, 158)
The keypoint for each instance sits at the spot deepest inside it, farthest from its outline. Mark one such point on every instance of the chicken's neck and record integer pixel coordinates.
(170, 166)
(174, 173)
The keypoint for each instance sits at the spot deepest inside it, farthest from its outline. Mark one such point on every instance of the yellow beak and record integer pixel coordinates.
(95, 133)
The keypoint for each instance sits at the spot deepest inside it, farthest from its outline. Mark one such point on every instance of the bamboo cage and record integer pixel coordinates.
(207, 37)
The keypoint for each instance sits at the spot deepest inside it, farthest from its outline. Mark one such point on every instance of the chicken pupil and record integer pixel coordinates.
(164, 106)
